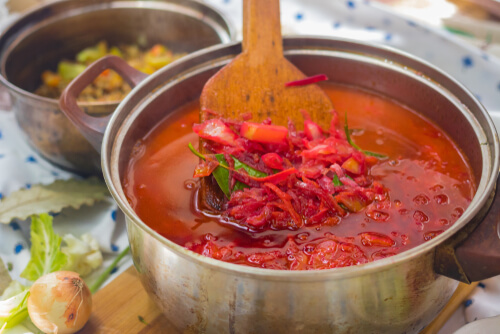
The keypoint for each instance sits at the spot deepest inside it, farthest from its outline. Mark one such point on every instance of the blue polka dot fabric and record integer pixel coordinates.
(21, 168)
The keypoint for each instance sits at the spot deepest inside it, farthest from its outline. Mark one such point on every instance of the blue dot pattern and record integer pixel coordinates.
(481, 285)
(114, 248)
(14, 226)
(114, 270)
(18, 248)
(1, 135)
(388, 37)
(336, 25)
(113, 215)
(299, 16)
(31, 159)
(1, 195)
(467, 61)
(468, 303)
(28, 185)
(351, 4)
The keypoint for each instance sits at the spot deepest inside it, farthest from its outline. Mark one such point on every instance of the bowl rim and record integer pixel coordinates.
(485, 186)
(6, 45)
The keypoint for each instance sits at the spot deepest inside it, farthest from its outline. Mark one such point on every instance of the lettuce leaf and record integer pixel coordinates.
(46, 254)
(14, 310)
(14, 288)
(83, 254)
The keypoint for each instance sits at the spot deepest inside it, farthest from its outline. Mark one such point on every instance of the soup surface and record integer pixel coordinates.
(427, 180)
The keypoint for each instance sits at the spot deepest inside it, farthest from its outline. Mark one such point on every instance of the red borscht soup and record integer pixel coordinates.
(357, 206)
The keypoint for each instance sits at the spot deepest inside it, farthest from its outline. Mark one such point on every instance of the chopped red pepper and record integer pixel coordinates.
(205, 168)
(273, 160)
(307, 81)
(262, 133)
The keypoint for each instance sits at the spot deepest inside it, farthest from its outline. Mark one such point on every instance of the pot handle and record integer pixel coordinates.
(474, 254)
(92, 128)
(479, 254)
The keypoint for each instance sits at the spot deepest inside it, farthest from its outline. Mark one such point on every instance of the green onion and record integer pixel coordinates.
(100, 280)
(336, 181)
(353, 144)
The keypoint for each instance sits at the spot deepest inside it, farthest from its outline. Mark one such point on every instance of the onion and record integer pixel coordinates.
(59, 302)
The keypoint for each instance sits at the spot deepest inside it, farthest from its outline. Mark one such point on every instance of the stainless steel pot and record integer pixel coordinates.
(41, 38)
(393, 295)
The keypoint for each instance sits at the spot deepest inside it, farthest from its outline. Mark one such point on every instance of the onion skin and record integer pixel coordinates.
(59, 303)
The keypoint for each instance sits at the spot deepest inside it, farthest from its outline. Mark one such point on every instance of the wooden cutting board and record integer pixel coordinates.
(123, 306)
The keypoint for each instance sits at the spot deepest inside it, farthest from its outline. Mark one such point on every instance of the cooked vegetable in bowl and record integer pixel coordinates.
(62, 29)
(109, 86)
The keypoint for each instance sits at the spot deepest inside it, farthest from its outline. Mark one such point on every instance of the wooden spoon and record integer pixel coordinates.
(254, 82)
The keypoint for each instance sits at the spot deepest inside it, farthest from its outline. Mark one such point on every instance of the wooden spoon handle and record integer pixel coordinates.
(261, 28)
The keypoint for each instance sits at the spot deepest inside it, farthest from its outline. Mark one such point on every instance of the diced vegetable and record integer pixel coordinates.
(115, 52)
(51, 79)
(69, 71)
(217, 131)
(91, 54)
(205, 168)
(352, 165)
(273, 160)
(352, 201)
(262, 133)
(108, 86)
(312, 130)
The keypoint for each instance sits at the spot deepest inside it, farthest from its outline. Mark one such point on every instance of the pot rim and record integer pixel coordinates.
(29, 29)
(485, 186)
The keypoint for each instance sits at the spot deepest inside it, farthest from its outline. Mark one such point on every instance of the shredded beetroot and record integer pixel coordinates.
(292, 178)
(307, 81)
